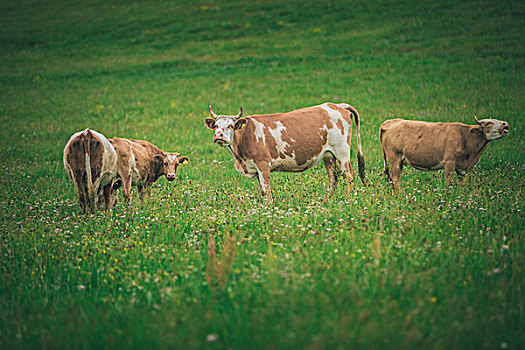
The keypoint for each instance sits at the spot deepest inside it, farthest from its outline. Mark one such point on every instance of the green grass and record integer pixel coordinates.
(426, 267)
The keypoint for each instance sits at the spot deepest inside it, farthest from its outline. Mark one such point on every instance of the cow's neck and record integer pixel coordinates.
(230, 149)
(156, 166)
(478, 143)
(234, 147)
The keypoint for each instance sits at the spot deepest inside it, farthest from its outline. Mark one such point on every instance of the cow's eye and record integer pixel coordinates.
(230, 127)
(165, 163)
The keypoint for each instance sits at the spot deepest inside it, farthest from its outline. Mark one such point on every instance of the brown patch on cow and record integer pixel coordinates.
(310, 150)
(300, 126)
(347, 115)
(77, 154)
(246, 146)
(340, 126)
(270, 142)
(327, 120)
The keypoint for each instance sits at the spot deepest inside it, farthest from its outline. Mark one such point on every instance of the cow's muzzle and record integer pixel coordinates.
(220, 141)
(170, 177)
(504, 129)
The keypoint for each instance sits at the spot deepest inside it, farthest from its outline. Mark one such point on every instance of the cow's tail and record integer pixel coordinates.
(360, 158)
(87, 136)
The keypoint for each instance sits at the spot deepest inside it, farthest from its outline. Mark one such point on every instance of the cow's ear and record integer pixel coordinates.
(476, 130)
(159, 158)
(241, 123)
(184, 160)
(210, 123)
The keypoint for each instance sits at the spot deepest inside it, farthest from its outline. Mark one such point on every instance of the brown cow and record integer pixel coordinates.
(431, 146)
(91, 162)
(141, 164)
(291, 142)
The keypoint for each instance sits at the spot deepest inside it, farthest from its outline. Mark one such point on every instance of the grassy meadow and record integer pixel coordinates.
(203, 262)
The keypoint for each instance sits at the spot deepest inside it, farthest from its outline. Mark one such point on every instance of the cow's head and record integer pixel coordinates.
(492, 129)
(168, 162)
(224, 126)
(104, 203)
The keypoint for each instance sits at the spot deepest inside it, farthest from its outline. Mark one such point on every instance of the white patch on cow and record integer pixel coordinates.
(342, 105)
(337, 143)
(288, 163)
(223, 129)
(251, 168)
(259, 131)
(109, 164)
(358, 136)
(133, 171)
(90, 187)
(277, 136)
(172, 157)
(264, 186)
(494, 132)
(334, 115)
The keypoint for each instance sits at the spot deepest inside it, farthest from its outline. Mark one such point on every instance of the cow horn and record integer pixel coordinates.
(476, 119)
(213, 113)
(239, 115)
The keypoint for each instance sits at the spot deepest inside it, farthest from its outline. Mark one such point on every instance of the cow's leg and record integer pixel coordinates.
(83, 198)
(143, 190)
(343, 160)
(461, 175)
(82, 201)
(385, 166)
(449, 172)
(263, 175)
(342, 155)
(396, 166)
(92, 201)
(332, 176)
(107, 196)
(126, 188)
(349, 174)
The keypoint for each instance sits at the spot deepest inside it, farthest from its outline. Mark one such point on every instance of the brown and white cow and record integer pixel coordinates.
(431, 146)
(91, 162)
(291, 142)
(141, 164)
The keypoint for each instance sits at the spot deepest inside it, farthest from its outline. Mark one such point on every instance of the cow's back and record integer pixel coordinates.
(422, 144)
(294, 141)
(135, 158)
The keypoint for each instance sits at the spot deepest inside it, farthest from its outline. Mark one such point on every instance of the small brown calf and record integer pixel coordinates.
(141, 164)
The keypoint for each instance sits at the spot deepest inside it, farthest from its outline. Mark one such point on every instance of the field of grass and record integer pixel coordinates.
(203, 262)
